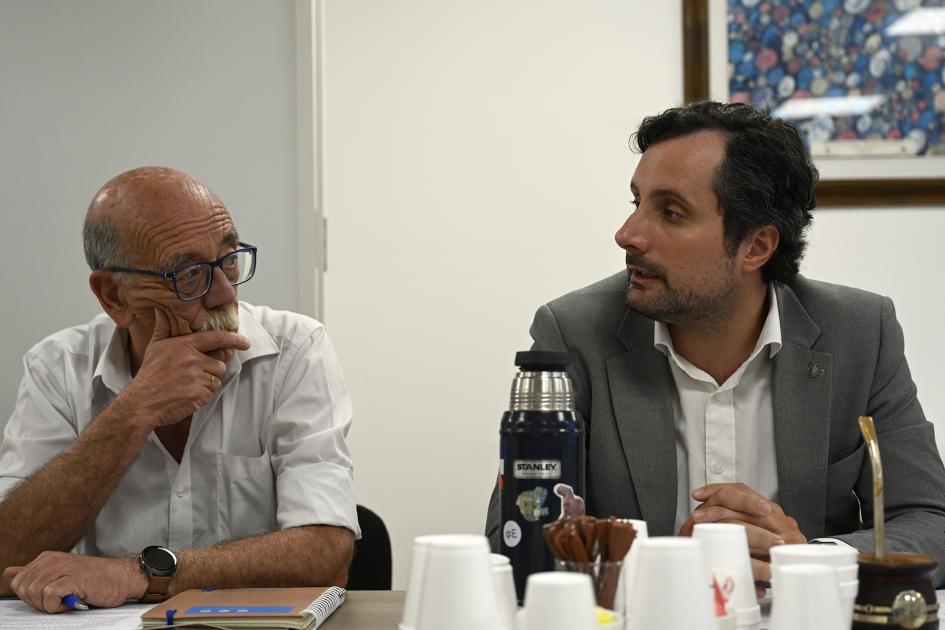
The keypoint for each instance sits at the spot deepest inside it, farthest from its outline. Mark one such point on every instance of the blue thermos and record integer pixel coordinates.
(541, 469)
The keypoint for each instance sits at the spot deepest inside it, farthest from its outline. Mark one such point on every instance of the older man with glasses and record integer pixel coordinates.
(181, 439)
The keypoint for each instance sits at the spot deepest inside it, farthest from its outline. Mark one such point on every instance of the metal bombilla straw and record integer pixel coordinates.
(869, 436)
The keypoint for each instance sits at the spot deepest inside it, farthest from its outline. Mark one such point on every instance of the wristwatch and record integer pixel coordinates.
(159, 564)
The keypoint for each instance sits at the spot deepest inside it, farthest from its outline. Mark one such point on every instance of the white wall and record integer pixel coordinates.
(476, 166)
(96, 87)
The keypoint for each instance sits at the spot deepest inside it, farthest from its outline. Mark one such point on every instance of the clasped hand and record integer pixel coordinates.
(765, 522)
(180, 374)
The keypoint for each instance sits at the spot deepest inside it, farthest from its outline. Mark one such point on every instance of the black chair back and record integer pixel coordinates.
(371, 567)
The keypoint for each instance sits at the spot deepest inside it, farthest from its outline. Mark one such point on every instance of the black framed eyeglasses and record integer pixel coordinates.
(194, 280)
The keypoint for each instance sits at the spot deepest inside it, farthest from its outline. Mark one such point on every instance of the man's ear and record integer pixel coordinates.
(106, 288)
(760, 245)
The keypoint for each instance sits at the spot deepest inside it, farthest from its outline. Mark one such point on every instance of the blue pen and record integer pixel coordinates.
(73, 602)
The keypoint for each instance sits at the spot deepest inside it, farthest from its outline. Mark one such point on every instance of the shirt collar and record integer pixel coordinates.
(114, 371)
(770, 334)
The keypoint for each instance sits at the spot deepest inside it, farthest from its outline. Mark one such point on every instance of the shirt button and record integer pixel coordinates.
(180, 492)
(718, 468)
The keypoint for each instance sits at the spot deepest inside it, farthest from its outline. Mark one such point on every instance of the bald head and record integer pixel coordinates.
(127, 215)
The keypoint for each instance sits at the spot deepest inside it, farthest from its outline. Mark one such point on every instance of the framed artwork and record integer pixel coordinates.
(862, 80)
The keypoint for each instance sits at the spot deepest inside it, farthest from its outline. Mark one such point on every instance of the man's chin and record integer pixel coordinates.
(637, 300)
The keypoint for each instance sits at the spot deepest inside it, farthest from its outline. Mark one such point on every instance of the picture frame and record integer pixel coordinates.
(847, 181)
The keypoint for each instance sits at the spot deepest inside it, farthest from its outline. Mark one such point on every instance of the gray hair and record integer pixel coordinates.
(102, 241)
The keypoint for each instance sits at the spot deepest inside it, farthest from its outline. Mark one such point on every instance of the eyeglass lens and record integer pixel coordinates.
(194, 280)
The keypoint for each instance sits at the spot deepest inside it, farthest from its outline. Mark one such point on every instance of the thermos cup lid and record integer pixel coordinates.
(542, 361)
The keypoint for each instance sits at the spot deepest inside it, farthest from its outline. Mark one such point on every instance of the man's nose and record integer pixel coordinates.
(221, 291)
(631, 234)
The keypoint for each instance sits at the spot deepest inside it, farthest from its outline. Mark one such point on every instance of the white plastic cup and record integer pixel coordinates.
(456, 589)
(807, 597)
(558, 600)
(625, 584)
(415, 582)
(675, 593)
(504, 585)
(726, 550)
(848, 591)
(498, 559)
(848, 574)
(829, 555)
(841, 559)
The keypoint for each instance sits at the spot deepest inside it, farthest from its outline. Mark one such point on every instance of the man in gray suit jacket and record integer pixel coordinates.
(720, 385)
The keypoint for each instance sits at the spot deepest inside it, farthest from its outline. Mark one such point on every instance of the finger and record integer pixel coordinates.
(6, 588)
(686, 528)
(703, 493)
(213, 383)
(22, 586)
(711, 489)
(717, 514)
(760, 570)
(19, 580)
(760, 590)
(54, 592)
(739, 498)
(217, 340)
(219, 354)
(760, 540)
(162, 328)
(215, 367)
(768, 530)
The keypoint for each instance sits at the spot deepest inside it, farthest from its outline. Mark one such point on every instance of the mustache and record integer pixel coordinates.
(645, 265)
(226, 319)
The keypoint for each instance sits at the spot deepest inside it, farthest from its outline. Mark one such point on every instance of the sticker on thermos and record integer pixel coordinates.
(537, 469)
(511, 533)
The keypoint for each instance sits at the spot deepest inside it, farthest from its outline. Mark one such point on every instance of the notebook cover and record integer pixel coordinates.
(239, 603)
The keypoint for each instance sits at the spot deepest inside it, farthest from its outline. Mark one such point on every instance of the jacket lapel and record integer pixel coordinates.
(801, 382)
(641, 391)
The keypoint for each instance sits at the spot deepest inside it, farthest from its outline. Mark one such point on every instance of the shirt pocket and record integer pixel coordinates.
(246, 499)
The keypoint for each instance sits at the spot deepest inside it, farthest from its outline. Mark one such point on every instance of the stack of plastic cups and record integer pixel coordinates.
(807, 597)
(504, 585)
(628, 573)
(726, 550)
(558, 601)
(675, 592)
(451, 585)
(840, 558)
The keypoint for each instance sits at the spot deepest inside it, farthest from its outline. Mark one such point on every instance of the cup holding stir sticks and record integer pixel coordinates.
(592, 546)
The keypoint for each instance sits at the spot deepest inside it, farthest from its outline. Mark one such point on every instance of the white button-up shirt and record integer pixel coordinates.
(267, 453)
(725, 433)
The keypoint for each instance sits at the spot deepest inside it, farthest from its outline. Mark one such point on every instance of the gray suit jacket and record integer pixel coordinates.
(842, 357)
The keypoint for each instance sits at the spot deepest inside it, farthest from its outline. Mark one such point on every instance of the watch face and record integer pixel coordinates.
(159, 559)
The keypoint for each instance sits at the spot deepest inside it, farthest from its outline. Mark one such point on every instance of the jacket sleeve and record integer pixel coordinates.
(913, 475)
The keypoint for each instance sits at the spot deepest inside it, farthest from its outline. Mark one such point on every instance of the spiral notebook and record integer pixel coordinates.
(290, 608)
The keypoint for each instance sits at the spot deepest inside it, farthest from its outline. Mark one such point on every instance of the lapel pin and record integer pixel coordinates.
(814, 370)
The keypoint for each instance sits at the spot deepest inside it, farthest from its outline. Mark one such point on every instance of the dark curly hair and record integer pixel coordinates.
(766, 176)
